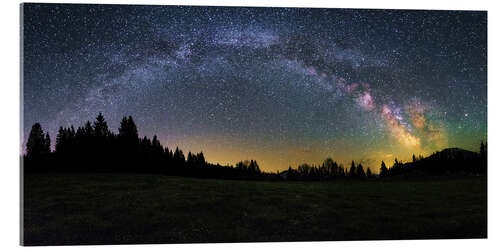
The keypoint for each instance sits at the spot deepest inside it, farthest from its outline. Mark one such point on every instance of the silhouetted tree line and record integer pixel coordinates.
(328, 170)
(452, 161)
(94, 148)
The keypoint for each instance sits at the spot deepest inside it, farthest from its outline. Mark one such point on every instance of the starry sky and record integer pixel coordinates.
(282, 86)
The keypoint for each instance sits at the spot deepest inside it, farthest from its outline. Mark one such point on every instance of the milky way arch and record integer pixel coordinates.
(280, 85)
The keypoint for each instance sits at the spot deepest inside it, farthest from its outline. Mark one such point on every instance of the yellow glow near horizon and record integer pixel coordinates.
(274, 157)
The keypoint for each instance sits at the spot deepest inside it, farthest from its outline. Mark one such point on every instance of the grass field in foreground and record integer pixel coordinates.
(126, 209)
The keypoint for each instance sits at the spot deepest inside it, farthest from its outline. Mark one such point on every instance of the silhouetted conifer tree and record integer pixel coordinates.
(383, 170)
(191, 161)
(128, 129)
(369, 173)
(179, 157)
(100, 126)
(60, 140)
(352, 171)
(88, 130)
(38, 143)
(95, 146)
(201, 158)
(360, 172)
(46, 148)
(157, 147)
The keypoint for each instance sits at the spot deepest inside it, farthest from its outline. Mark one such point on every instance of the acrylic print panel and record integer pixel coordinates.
(179, 124)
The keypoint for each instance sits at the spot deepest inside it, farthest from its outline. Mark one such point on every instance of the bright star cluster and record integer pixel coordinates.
(282, 86)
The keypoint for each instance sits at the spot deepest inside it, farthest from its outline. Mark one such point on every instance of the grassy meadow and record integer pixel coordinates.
(62, 209)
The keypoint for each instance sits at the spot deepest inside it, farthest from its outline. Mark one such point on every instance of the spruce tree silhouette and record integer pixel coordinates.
(483, 158)
(157, 148)
(100, 143)
(200, 160)
(383, 170)
(352, 171)
(46, 145)
(88, 130)
(128, 130)
(101, 127)
(38, 143)
(179, 161)
(128, 139)
(331, 169)
(369, 173)
(37, 150)
(360, 172)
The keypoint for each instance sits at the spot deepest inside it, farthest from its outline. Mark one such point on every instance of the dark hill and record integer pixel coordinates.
(450, 161)
(455, 154)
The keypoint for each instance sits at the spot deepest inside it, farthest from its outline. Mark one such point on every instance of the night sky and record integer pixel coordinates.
(282, 86)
